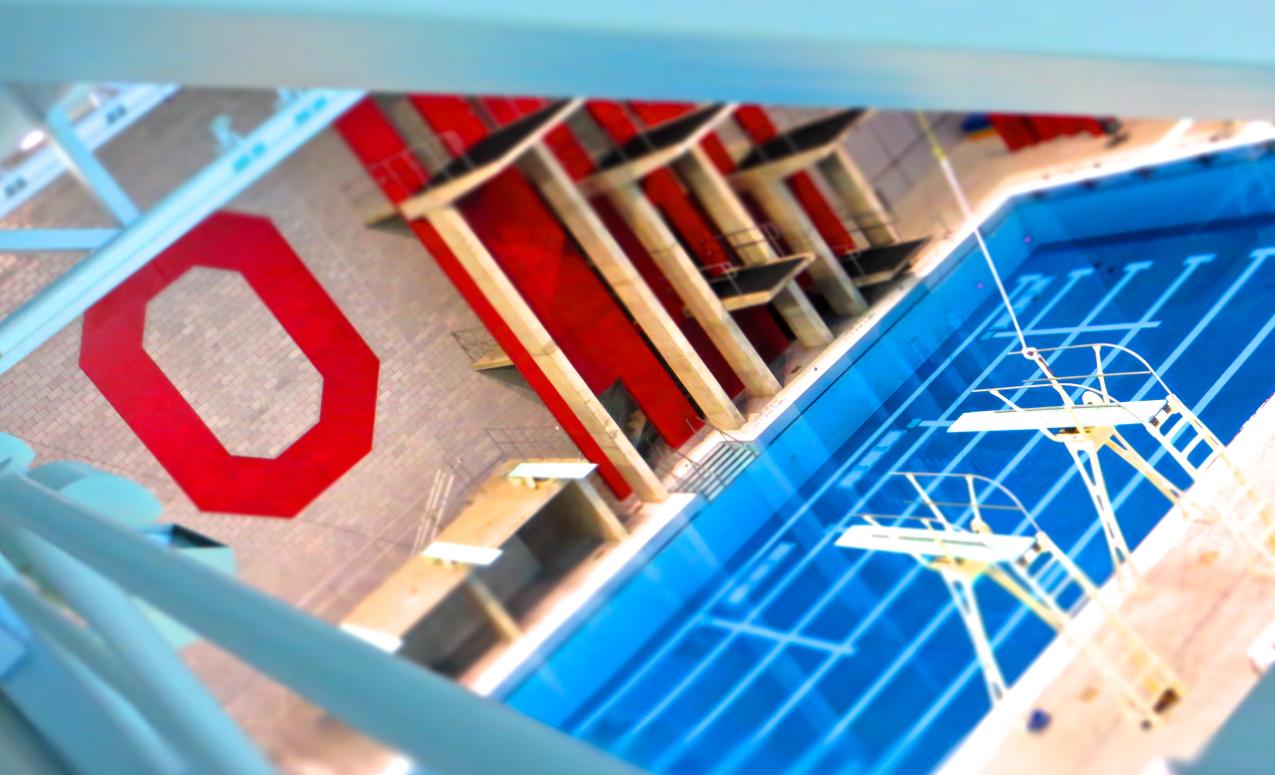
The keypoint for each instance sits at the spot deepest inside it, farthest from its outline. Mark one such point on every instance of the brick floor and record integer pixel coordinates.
(235, 364)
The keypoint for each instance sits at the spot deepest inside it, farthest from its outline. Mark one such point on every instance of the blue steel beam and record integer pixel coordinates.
(53, 240)
(67, 297)
(1172, 57)
(114, 115)
(87, 169)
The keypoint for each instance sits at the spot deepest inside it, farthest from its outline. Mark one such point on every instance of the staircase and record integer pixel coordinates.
(715, 473)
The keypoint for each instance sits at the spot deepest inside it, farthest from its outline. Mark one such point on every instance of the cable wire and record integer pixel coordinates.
(968, 213)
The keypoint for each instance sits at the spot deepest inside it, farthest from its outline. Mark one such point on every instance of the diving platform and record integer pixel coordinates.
(468, 590)
(653, 149)
(972, 528)
(1088, 418)
(798, 148)
(878, 265)
(755, 285)
(483, 161)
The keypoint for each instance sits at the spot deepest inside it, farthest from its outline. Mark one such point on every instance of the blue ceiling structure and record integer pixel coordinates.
(1167, 58)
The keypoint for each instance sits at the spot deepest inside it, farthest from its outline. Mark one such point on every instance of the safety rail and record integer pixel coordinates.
(1086, 418)
(722, 248)
(979, 529)
(134, 704)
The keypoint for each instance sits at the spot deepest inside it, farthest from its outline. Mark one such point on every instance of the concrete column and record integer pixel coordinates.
(730, 215)
(493, 283)
(606, 254)
(691, 286)
(779, 204)
(859, 197)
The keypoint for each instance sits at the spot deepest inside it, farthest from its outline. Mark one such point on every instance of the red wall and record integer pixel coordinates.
(577, 163)
(1020, 131)
(758, 126)
(382, 150)
(688, 219)
(552, 274)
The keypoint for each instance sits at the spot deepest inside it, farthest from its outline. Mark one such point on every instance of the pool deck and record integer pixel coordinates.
(1198, 607)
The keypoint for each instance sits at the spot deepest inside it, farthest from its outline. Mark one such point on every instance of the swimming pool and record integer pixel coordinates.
(749, 643)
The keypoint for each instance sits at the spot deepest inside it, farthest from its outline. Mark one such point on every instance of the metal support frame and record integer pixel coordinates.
(957, 540)
(53, 240)
(112, 116)
(67, 297)
(1085, 423)
(910, 54)
(87, 169)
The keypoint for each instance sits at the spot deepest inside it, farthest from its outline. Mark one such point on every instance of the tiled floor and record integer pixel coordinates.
(235, 365)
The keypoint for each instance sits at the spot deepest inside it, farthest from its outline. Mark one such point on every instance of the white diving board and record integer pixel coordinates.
(552, 469)
(1053, 417)
(942, 544)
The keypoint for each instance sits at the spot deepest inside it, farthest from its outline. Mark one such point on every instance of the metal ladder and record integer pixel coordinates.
(1038, 574)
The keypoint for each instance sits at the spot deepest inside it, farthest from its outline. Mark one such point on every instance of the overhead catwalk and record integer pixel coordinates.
(1086, 418)
(975, 528)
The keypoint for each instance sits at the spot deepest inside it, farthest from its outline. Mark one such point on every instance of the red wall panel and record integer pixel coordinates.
(375, 141)
(758, 126)
(577, 163)
(1021, 131)
(688, 219)
(553, 276)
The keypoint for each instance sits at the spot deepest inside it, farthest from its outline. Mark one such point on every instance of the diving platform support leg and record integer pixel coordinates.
(1083, 448)
(624, 279)
(704, 305)
(730, 215)
(519, 316)
(962, 589)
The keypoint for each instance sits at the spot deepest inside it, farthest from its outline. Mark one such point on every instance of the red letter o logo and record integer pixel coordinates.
(113, 357)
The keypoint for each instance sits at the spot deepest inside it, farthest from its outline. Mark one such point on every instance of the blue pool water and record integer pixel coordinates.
(749, 643)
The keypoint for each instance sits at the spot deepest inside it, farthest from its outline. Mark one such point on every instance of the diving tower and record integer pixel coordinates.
(1087, 417)
(976, 528)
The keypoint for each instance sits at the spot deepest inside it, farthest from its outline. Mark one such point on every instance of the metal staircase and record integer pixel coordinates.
(711, 476)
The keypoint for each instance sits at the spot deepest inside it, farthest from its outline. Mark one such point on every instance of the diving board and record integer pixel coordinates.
(653, 149)
(956, 545)
(1088, 421)
(974, 528)
(755, 285)
(1058, 417)
(798, 148)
